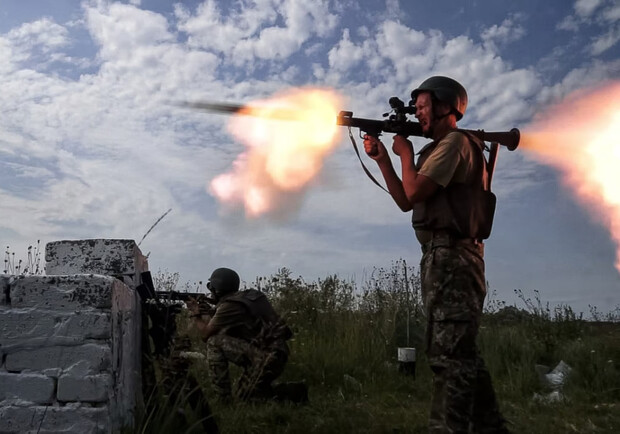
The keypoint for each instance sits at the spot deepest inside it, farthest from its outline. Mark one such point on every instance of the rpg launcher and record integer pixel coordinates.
(397, 123)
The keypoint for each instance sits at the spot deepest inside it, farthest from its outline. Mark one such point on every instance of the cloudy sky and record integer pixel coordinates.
(90, 149)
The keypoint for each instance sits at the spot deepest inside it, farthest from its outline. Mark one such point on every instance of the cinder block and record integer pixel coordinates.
(47, 419)
(91, 359)
(62, 293)
(116, 258)
(87, 388)
(35, 388)
(34, 327)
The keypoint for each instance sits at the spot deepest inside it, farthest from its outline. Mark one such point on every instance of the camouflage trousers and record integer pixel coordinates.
(260, 366)
(453, 289)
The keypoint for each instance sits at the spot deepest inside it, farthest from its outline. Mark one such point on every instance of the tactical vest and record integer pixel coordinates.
(463, 209)
(267, 326)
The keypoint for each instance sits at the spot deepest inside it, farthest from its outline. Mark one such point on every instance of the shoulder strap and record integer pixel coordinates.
(372, 178)
(488, 166)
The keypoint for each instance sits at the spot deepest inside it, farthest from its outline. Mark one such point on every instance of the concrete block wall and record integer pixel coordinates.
(119, 258)
(70, 343)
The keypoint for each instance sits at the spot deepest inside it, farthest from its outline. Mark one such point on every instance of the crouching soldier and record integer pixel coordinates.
(244, 330)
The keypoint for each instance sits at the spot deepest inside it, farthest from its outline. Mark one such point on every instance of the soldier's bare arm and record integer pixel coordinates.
(416, 187)
(376, 150)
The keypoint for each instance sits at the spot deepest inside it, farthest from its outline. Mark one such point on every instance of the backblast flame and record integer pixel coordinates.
(287, 139)
(581, 137)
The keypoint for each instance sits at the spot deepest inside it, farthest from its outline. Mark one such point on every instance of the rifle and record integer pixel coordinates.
(185, 296)
(206, 304)
(160, 309)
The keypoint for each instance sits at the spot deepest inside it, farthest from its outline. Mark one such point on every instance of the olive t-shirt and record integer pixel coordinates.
(452, 160)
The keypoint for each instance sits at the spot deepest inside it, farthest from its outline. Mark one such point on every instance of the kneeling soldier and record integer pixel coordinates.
(244, 330)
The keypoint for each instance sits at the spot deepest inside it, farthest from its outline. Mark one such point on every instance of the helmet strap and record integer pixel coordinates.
(436, 104)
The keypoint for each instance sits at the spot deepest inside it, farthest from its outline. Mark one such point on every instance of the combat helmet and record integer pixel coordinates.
(447, 90)
(223, 281)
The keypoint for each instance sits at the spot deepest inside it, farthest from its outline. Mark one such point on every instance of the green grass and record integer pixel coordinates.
(345, 348)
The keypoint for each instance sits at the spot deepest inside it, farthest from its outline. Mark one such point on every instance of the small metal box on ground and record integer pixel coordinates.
(406, 361)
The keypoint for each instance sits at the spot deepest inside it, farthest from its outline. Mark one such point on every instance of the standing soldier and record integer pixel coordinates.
(448, 191)
(244, 330)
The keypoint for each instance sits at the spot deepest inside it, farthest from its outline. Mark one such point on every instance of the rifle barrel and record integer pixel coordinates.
(184, 296)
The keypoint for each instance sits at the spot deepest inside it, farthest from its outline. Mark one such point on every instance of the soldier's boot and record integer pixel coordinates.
(486, 416)
(251, 387)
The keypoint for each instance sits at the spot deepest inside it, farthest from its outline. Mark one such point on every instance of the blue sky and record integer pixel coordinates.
(89, 149)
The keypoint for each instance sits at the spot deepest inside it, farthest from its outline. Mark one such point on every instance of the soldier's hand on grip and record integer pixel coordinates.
(374, 148)
(401, 145)
(193, 306)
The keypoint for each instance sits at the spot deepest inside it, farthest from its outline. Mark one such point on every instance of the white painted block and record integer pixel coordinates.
(86, 388)
(116, 258)
(62, 293)
(32, 328)
(92, 358)
(35, 388)
(48, 419)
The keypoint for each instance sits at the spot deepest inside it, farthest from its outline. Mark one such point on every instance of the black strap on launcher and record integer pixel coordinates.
(372, 178)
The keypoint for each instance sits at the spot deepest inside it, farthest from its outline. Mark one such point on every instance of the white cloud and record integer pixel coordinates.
(128, 26)
(207, 29)
(346, 55)
(43, 33)
(585, 8)
(601, 17)
(510, 30)
(29, 43)
(407, 50)
(6, 53)
(393, 9)
(111, 148)
(29, 170)
(612, 13)
(604, 42)
(569, 23)
(589, 75)
(251, 33)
